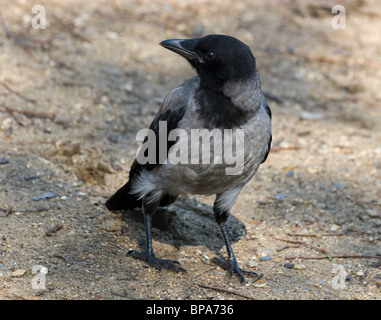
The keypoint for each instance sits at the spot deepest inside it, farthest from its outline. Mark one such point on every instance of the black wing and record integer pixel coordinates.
(172, 111)
(268, 111)
(171, 118)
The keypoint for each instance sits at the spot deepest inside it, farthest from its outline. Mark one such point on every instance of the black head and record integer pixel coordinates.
(217, 58)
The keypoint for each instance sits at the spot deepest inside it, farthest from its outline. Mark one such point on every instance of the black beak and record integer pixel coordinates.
(184, 47)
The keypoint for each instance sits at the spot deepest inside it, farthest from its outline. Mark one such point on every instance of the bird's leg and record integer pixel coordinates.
(231, 264)
(148, 255)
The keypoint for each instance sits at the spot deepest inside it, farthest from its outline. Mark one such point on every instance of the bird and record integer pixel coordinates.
(224, 95)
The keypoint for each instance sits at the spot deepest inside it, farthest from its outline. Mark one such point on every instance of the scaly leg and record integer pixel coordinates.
(148, 255)
(231, 264)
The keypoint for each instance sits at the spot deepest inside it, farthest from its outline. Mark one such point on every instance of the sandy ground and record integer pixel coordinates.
(74, 95)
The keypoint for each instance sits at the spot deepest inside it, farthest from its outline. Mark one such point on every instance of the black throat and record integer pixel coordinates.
(218, 111)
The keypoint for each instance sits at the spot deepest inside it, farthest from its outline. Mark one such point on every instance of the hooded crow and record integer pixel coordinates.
(225, 95)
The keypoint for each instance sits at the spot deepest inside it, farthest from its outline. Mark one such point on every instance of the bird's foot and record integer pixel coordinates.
(232, 267)
(156, 262)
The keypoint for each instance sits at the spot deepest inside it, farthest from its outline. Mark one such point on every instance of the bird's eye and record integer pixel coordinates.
(210, 56)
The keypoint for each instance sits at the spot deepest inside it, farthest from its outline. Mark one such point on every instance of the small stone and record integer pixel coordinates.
(290, 173)
(78, 106)
(360, 273)
(45, 196)
(373, 213)
(300, 267)
(280, 196)
(338, 186)
(265, 258)
(312, 116)
(4, 161)
(112, 35)
(349, 278)
(40, 292)
(129, 87)
(288, 265)
(297, 75)
(252, 264)
(18, 273)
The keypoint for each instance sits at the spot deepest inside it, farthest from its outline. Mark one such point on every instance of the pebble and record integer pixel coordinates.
(312, 116)
(300, 267)
(252, 264)
(48, 195)
(290, 173)
(112, 35)
(297, 75)
(129, 87)
(338, 186)
(373, 213)
(4, 161)
(40, 292)
(360, 273)
(288, 265)
(18, 273)
(349, 278)
(280, 196)
(265, 258)
(334, 227)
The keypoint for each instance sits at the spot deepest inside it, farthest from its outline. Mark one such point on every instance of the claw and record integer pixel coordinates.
(232, 267)
(156, 262)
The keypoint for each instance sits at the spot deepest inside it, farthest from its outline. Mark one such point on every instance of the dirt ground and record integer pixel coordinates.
(74, 95)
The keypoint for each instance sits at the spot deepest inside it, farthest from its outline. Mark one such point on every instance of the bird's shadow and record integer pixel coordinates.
(186, 222)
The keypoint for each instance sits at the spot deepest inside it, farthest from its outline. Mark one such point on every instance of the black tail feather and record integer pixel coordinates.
(166, 200)
(123, 199)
